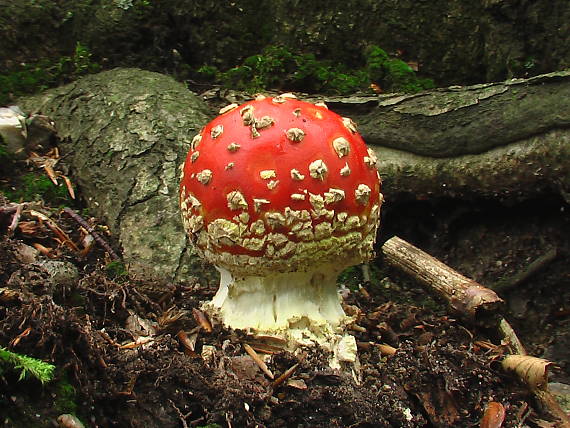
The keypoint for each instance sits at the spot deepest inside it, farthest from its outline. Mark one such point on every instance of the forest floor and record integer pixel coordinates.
(133, 353)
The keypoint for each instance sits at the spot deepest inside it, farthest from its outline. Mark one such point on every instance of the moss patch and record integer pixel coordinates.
(33, 186)
(31, 78)
(278, 67)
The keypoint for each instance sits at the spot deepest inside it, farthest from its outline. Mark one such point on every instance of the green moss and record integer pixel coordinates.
(65, 399)
(116, 270)
(277, 67)
(351, 277)
(32, 78)
(33, 186)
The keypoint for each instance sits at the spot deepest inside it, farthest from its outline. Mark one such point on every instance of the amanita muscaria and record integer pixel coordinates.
(281, 195)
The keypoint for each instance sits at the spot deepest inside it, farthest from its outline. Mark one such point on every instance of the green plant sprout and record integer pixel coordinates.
(116, 270)
(30, 367)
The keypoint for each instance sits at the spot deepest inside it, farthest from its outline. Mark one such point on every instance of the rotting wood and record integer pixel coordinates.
(466, 297)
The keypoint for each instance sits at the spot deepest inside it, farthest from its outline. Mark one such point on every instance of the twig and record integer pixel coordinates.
(504, 285)
(466, 297)
(286, 375)
(9, 209)
(15, 219)
(507, 333)
(251, 352)
(90, 229)
(181, 415)
(469, 299)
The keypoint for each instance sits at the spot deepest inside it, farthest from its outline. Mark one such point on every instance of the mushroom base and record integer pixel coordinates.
(301, 307)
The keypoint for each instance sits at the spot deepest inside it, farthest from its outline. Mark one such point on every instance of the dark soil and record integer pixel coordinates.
(121, 360)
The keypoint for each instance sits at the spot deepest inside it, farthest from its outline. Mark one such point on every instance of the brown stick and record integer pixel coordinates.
(466, 297)
(90, 230)
(258, 361)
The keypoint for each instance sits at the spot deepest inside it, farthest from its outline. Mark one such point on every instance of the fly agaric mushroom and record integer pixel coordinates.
(280, 195)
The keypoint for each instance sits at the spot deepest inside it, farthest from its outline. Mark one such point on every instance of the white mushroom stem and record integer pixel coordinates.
(300, 306)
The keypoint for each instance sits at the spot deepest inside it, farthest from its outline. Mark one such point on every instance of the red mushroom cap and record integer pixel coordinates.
(279, 185)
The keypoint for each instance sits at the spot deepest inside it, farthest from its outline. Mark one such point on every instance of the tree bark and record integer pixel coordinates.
(508, 140)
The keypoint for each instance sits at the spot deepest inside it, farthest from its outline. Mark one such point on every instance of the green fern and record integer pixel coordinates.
(30, 367)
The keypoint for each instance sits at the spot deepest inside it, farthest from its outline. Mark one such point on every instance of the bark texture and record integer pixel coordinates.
(508, 140)
(124, 134)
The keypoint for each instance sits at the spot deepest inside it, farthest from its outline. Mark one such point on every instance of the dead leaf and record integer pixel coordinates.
(494, 416)
(14, 342)
(188, 341)
(532, 371)
(139, 326)
(202, 320)
(69, 186)
(376, 88)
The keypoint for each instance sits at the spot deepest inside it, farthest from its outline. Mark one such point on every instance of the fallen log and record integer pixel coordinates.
(509, 140)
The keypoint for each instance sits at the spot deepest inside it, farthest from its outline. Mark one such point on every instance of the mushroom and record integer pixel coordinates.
(24, 134)
(281, 195)
(13, 130)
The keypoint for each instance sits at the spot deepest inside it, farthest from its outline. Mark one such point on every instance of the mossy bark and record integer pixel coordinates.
(124, 134)
(507, 140)
(126, 131)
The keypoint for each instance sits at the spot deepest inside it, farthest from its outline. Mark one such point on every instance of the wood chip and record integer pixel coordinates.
(202, 320)
(386, 350)
(251, 352)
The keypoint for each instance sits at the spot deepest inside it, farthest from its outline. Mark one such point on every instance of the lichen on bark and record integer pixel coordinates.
(125, 133)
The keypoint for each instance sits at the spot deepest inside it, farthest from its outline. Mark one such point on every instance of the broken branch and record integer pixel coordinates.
(466, 297)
